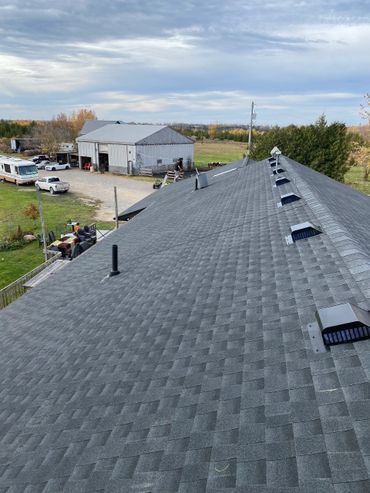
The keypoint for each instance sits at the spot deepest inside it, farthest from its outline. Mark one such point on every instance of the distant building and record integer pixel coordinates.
(128, 148)
(68, 154)
(23, 144)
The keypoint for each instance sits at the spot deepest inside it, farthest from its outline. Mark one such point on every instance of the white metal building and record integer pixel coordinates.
(127, 148)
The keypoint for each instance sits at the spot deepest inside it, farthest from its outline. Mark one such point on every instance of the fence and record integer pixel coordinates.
(16, 289)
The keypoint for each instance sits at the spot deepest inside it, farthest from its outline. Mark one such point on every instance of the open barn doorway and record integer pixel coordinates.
(103, 162)
(85, 162)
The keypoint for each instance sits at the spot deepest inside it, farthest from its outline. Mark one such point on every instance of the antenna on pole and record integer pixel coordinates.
(253, 117)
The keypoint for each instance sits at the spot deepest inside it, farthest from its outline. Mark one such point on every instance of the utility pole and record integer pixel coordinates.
(41, 212)
(250, 129)
(116, 206)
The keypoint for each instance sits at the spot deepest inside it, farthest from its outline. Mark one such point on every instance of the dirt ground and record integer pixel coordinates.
(96, 186)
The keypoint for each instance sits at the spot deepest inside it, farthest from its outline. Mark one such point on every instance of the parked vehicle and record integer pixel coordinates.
(18, 171)
(53, 184)
(39, 158)
(42, 164)
(56, 166)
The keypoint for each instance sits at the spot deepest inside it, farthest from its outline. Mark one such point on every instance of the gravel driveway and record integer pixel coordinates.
(100, 187)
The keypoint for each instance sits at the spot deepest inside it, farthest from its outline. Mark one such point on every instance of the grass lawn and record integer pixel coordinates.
(215, 151)
(58, 210)
(354, 178)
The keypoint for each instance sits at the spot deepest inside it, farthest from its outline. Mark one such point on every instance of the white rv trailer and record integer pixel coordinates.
(18, 171)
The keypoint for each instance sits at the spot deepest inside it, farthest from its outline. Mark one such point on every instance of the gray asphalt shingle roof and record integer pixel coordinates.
(192, 371)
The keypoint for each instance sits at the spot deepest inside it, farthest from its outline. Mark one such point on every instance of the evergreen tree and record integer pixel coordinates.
(325, 148)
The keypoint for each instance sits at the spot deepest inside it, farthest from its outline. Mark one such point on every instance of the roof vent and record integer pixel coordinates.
(279, 170)
(273, 163)
(282, 181)
(288, 198)
(275, 151)
(129, 215)
(271, 159)
(343, 323)
(201, 180)
(302, 231)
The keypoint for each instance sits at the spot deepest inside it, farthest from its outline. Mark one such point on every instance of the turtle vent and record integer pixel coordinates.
(301, 232)
(272, 163)
(289, 198)
(282, 181)
(279, 170)
(271, 159)
(343, 323)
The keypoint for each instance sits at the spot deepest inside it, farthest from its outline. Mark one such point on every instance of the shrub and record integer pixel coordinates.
(12, 245)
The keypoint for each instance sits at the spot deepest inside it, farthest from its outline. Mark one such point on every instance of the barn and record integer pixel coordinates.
(130, 148)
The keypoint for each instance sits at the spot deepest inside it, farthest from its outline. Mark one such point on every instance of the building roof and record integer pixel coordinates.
(92, 125)
(193, 370)
(135, 134)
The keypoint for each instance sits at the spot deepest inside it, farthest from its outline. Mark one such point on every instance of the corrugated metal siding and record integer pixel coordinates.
(117, 157)
(87, 149)
(147, 155)
(131, 156)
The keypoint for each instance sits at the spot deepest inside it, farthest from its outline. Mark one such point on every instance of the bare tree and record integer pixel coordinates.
(361, 157)
(365, 112)
(51, 134)
(62, 128)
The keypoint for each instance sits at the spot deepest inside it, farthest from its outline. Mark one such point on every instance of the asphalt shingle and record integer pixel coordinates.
(193, 370)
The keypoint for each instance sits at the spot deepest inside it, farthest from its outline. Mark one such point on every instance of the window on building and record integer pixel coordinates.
(159, 161)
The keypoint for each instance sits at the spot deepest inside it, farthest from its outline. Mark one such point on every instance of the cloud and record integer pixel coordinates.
(225, 106)
(159, 61)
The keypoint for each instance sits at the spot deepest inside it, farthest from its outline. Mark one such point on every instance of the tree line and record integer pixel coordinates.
(47, 135)
(9, 129)
(216, 131)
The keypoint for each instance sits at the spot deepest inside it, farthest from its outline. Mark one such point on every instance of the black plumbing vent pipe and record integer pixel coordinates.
(114, 271)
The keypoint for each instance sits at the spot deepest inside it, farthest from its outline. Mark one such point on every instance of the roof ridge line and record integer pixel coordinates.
(355, 258)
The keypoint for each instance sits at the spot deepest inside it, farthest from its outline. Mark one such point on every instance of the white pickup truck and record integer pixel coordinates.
(53, 184)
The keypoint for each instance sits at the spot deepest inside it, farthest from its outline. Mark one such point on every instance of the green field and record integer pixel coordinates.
(58, 210)
(223, 152)
(354, 178)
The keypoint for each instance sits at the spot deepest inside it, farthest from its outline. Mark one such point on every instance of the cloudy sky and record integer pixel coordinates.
(191, 61)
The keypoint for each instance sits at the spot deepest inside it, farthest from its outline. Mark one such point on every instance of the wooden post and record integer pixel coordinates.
(38, 193)
(116, 206)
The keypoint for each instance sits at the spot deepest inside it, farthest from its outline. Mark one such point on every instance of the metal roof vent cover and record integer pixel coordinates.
(302, 231)
(282, 181)
(271, 159)
(279, 170)
(201, 181)
(288, 198)
(343, 323)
